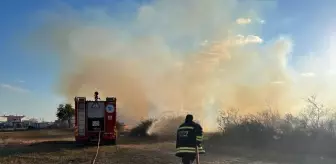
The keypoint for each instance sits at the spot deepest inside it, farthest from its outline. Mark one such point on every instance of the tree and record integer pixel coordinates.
(315, 113)
(65, 112)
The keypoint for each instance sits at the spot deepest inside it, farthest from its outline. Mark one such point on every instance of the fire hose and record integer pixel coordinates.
(98, 146)
(197, 156)
(97, 151)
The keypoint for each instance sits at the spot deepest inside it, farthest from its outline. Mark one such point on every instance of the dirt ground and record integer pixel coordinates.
(57, 147)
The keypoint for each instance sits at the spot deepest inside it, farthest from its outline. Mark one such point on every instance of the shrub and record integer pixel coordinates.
(119, 126)
(312, 131)
(141, 129)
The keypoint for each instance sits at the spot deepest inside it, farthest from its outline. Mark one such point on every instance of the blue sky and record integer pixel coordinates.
(28, 80)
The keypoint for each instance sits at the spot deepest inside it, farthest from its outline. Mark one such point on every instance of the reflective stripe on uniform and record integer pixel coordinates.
(199, 138)
(185, 127)
(189, 150)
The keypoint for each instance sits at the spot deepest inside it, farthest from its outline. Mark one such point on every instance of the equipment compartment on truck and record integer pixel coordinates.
(95, 124)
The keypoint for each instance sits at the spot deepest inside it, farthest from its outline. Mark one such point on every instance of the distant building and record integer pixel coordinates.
(30, 123)
(14, 121)
(13, 118)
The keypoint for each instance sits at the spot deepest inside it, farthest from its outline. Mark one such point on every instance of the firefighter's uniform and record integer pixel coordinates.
(189, 135)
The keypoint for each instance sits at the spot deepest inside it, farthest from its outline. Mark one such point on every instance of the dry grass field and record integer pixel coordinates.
(57, 147)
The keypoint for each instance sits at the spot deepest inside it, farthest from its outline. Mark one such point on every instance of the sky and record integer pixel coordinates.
(29, 78)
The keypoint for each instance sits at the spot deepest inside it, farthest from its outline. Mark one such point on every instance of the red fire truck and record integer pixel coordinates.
(94, 118)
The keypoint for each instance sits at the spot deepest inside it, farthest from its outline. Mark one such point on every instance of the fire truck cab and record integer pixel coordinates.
(94, 118)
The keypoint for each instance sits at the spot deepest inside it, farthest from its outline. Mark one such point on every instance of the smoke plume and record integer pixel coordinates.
(171, 55)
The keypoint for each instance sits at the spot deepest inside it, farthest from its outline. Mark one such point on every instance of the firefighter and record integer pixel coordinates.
(189, 135)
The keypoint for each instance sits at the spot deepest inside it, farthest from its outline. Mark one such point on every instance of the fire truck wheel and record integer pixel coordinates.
(111, 142)
(79, 144)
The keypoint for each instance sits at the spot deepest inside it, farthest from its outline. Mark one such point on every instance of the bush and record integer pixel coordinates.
(141, 129)
(119, 126)
(312, 131)
(249, 133)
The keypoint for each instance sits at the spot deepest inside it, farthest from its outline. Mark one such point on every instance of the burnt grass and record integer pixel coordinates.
(48, 149)
(236, 146)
